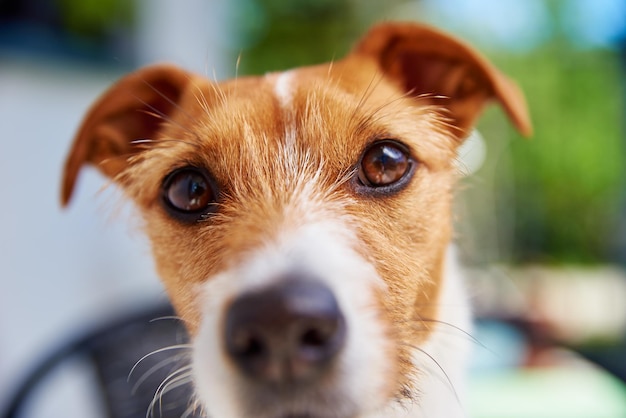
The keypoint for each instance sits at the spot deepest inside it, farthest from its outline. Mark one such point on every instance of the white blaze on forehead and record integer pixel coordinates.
(284, 86)
(283, 89)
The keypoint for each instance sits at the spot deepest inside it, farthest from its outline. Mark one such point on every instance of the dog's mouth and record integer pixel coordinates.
(307, 415)
(301, 415)
(316, 404)
(311, 415)
(317, 400)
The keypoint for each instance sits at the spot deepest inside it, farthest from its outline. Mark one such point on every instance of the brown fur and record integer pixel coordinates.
(402, 81)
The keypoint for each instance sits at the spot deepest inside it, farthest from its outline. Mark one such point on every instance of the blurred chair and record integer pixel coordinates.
(139, 363)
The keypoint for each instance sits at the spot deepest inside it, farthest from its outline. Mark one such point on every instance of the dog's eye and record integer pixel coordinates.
(188, 193)
(384, 163)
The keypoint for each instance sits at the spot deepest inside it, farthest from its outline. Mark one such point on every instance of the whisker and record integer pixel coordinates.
(388, 103)
(193, 407)
(237, 63)
(174, 380)
(176, 376)
(342, 178)
(214, 74)
(441, 369)
(165, 318)
(202, 101)
(464, 333)
(221, 94)
(146, 141)
(125, 155)
(163, 116)
(153, 369)
(330, 66)
(169, 100)
(455, 330)
(152, 353)
(367, 93)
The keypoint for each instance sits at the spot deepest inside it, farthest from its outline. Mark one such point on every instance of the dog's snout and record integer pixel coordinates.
(287, 333)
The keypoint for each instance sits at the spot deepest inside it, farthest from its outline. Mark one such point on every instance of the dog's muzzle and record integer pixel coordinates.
(286, 335)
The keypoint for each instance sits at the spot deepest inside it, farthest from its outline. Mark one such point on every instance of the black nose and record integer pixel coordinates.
(287, 333)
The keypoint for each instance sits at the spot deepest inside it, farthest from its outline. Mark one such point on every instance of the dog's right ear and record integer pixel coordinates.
(131, 109)
(439, 69)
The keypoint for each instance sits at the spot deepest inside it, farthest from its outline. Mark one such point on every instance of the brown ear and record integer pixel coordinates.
(131, 109)
(443, 71)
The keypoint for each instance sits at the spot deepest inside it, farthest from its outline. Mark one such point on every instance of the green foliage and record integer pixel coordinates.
(95, 18)
(568, 181)
(295, 33)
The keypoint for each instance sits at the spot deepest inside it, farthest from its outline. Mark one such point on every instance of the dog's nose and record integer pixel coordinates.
(287, 333)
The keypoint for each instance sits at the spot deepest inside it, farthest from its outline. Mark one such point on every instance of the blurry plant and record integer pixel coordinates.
(95, 19)
(568, 181)
(280, 34)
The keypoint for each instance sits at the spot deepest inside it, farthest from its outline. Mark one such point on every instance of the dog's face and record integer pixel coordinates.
(300, 220)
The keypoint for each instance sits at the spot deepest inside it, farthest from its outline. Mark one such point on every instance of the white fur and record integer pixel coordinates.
(443, 387)
(284, 86)
(283, 89)
(326, 249)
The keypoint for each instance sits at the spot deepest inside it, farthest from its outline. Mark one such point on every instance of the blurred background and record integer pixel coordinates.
(541, 222)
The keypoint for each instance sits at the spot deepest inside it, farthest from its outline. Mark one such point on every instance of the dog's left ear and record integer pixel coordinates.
(443, 71)
(132, 109)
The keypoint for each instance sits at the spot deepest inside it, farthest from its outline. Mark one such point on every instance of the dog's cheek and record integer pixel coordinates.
(180, 263)
(406, 237)
(214, 380)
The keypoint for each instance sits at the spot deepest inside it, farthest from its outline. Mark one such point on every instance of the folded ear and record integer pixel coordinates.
(442, 70)
(131, 109)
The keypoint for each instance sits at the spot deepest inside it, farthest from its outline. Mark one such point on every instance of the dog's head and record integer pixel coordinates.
(300, 220)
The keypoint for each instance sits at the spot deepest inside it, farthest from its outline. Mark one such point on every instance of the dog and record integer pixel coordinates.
(301, 221)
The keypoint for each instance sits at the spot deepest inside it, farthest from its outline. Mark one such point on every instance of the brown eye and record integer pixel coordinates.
(384, 163)
(188, 193)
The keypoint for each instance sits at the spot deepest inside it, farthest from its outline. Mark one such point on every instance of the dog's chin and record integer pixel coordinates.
(297, 402)
(312, 412)
(300, 413)
(249, 399)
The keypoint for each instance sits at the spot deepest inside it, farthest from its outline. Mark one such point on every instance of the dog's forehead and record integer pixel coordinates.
(262, 120)
(327, 112)
(275, 131)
